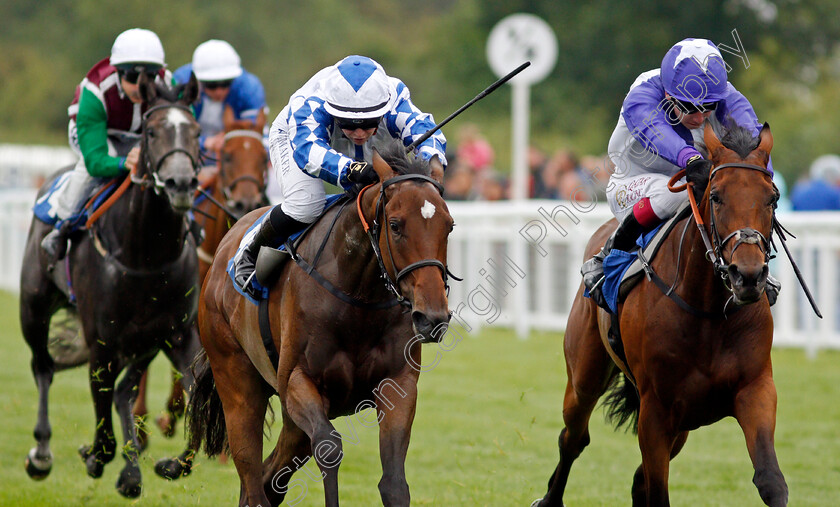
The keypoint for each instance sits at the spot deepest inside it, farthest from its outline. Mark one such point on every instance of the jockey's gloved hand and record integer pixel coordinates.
(361, 172)
(697, 171)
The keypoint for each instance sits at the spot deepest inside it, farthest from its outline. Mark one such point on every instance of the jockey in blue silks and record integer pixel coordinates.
(325, 133)
(662, 118)
(224, 85)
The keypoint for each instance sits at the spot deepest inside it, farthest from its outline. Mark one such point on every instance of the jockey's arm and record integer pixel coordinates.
(92, 127)
(309, 138)
(646, 116)
(413, 125)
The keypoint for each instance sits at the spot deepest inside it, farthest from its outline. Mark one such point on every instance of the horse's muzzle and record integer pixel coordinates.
(747, 285)
(431, 326)
(181, 190)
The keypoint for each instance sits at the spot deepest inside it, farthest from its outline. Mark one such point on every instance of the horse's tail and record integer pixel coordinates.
(622, 403)
(205, 417)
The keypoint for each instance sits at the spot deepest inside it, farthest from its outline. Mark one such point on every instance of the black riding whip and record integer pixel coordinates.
(478, 97)
(780, 231)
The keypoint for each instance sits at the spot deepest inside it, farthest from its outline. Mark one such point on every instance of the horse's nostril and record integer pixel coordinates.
(170, 184)
(194, 183)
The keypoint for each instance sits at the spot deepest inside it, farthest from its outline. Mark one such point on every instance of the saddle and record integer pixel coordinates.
(44, 209)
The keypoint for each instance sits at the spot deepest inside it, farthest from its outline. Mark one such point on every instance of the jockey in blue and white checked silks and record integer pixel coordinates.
(325, 133)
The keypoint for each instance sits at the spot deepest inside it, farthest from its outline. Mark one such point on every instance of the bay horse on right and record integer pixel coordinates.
(691, 367)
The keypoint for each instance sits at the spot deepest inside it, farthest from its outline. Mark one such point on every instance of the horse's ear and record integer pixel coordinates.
(381, 167)
(765, 139)
(228, 119)
(190, 92)
(713, 144)
(259, 123)
(147, 89)
(436, 167)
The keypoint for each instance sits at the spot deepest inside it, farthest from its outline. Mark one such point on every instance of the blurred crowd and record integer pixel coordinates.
(472, 174)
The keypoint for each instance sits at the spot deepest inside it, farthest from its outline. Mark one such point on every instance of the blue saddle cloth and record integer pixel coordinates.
(45, 206)
(261, 291)
(616, 264)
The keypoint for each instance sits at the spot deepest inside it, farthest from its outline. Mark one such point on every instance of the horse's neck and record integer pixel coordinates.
(355, 258)
(700, 286)
(142, 230)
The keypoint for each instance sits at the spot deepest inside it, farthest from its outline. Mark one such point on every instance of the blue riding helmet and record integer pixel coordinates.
(693, 71)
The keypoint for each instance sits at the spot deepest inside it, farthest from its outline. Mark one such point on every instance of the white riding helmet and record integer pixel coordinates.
(216, 60)
(826, 168)
(357, 88)
(137, 45)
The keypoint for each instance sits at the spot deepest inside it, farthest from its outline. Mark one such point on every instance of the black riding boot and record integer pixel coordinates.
(624, 238)
(274, 230)
(55, 243)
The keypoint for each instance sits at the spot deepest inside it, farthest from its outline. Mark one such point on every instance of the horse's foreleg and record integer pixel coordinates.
(638, 490)
(129, 483)
(396, 401)
(304, 404)
(291, 454)
(755, 410)
(104, 369)
(656, 442)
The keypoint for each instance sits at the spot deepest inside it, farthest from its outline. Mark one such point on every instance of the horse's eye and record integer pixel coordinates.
(395, 226)
(152, 133)
(714, 198)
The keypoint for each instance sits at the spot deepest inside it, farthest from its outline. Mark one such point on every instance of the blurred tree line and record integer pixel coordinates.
(438, 48)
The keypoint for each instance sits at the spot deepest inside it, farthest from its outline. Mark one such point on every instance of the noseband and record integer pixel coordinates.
(152, 167)
(745, 235)
(374, 230)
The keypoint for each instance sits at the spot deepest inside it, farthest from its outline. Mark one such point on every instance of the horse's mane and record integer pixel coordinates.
(739, 139)
(394, 154)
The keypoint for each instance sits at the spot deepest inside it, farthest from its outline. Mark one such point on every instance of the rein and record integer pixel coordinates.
(374, 230)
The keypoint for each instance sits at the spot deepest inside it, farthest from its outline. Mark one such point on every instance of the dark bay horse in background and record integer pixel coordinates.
(134, 276)
(236, 187)
(691, 368)
(340, 350)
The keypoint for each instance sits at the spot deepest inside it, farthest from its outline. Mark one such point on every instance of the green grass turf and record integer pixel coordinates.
(486, 429)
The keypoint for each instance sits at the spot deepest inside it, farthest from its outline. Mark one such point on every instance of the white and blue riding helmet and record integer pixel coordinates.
(693, 71)
(357, 90)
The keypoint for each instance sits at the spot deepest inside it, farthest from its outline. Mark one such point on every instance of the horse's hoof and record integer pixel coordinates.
(166, 423)
(38, 468)
(129, 484)
(172, 469)
(94, 465)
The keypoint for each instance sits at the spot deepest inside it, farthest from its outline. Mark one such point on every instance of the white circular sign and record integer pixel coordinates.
(517, 39)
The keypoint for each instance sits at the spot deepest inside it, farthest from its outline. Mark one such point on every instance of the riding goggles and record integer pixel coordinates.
(360, 123)
(212, 85)
(687, 107)
(132, 74)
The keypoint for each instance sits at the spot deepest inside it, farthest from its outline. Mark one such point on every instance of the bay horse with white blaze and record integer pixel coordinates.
(134, 275)
(701, 354)
(337, 347)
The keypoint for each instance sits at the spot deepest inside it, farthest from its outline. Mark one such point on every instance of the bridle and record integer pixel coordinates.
(227, 189)
(152, 168)
(744, 235)
(374, 230)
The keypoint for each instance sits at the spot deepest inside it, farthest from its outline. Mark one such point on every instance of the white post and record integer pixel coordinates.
(521, 128)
